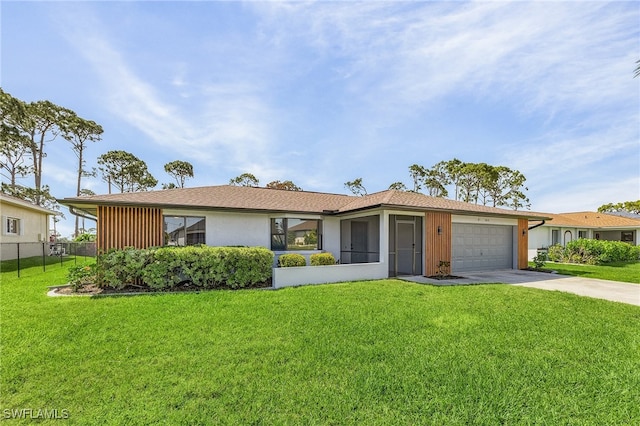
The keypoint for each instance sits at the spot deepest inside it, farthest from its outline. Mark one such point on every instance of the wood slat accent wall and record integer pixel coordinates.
(437, 247)
(523, 243)
(120, 227)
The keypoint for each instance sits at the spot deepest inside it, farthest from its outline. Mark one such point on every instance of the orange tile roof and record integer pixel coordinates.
(592, 220)
(264, 199)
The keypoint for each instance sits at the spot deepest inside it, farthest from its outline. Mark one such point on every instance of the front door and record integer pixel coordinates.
(405, 248)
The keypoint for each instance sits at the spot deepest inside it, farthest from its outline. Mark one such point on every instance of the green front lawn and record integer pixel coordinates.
(377, 352)
(621, 271)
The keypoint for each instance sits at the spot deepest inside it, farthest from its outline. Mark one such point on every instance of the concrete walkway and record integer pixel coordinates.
(601, 289)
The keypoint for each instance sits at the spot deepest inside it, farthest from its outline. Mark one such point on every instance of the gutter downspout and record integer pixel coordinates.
(82, 214)
(535, 226)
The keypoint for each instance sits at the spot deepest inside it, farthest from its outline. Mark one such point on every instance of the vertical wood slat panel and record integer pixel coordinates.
(120, 227)
(523, 243)
(437, 247)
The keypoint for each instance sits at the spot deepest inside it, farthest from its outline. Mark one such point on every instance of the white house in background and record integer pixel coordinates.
(566, 227)
(23, 222)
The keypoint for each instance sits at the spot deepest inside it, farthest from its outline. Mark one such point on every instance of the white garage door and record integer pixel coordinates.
(481, 247)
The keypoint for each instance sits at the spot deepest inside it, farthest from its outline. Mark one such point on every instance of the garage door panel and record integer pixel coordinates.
(481, 247)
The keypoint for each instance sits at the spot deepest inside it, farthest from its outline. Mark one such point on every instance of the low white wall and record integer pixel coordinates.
(301, 275)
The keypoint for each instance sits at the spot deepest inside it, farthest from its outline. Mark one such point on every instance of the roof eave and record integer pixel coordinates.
(443, 210)
(87, 205)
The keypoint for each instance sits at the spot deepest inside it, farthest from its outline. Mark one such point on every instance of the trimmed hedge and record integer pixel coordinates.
(320, 259)
(594, 252)
(163, 268)
(291, 259)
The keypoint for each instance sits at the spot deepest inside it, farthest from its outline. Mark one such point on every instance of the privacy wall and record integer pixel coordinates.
(120, 227)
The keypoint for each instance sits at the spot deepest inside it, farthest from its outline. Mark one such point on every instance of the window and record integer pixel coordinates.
(555, 237)
(626, 236)
(295, 234)
(184, 230)
(582, 234)
(11, 226)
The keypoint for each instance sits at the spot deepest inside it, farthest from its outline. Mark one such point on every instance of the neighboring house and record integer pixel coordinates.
(24, 223)
(388, 233)
(566, 227)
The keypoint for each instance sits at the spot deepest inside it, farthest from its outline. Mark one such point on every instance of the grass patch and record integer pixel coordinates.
(377, 352)
(40, 261)
(620, 271)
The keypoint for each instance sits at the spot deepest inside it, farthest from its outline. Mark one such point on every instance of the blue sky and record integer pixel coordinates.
(322, 93)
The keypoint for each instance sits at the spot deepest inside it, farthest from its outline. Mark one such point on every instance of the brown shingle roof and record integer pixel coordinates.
(403, 199)
(264, 199)
(221, 197)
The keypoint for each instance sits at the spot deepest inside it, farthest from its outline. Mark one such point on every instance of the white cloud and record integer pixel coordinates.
(222, 124)
(552, 56)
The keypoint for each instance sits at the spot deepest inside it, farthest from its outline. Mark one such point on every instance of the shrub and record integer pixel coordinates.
(443, 268)
(539, 260)
(291, 259)
(117, 268)
(81, 275)
(555, 253)
(594, 252)
(320, 259)
(163, 268)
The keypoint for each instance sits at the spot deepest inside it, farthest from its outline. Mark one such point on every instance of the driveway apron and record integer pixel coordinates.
(600, 289)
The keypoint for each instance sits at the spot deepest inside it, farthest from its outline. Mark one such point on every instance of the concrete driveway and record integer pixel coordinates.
(600, 289)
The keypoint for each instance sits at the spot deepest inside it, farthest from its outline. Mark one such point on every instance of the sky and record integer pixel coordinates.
(321, 93)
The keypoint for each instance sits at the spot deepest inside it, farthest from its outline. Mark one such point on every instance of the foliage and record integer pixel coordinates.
(25, 128)
(539, 260)
(81, 275)
(594, 252)
(180, 171)
(82, 237)
(356, 187)
(319, 259)
(479, 183)
(398, 186)
(163, 268)
(245, 179)
(555, 253)
(125, 171)
(626, 206)
(417, 174)
(13, 151)
(291, 259)
(208, 267)
(79, 132)
(28, 127)
(444, 267)
(119, 268)
(287, 185)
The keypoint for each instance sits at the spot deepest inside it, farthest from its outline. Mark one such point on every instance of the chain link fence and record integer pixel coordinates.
(16, 256)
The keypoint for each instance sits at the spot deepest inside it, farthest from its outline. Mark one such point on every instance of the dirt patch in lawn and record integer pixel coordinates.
(94, 290)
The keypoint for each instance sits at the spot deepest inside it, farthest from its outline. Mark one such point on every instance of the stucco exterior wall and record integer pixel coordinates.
(254, 229)
(34, 230)
(34, 225)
